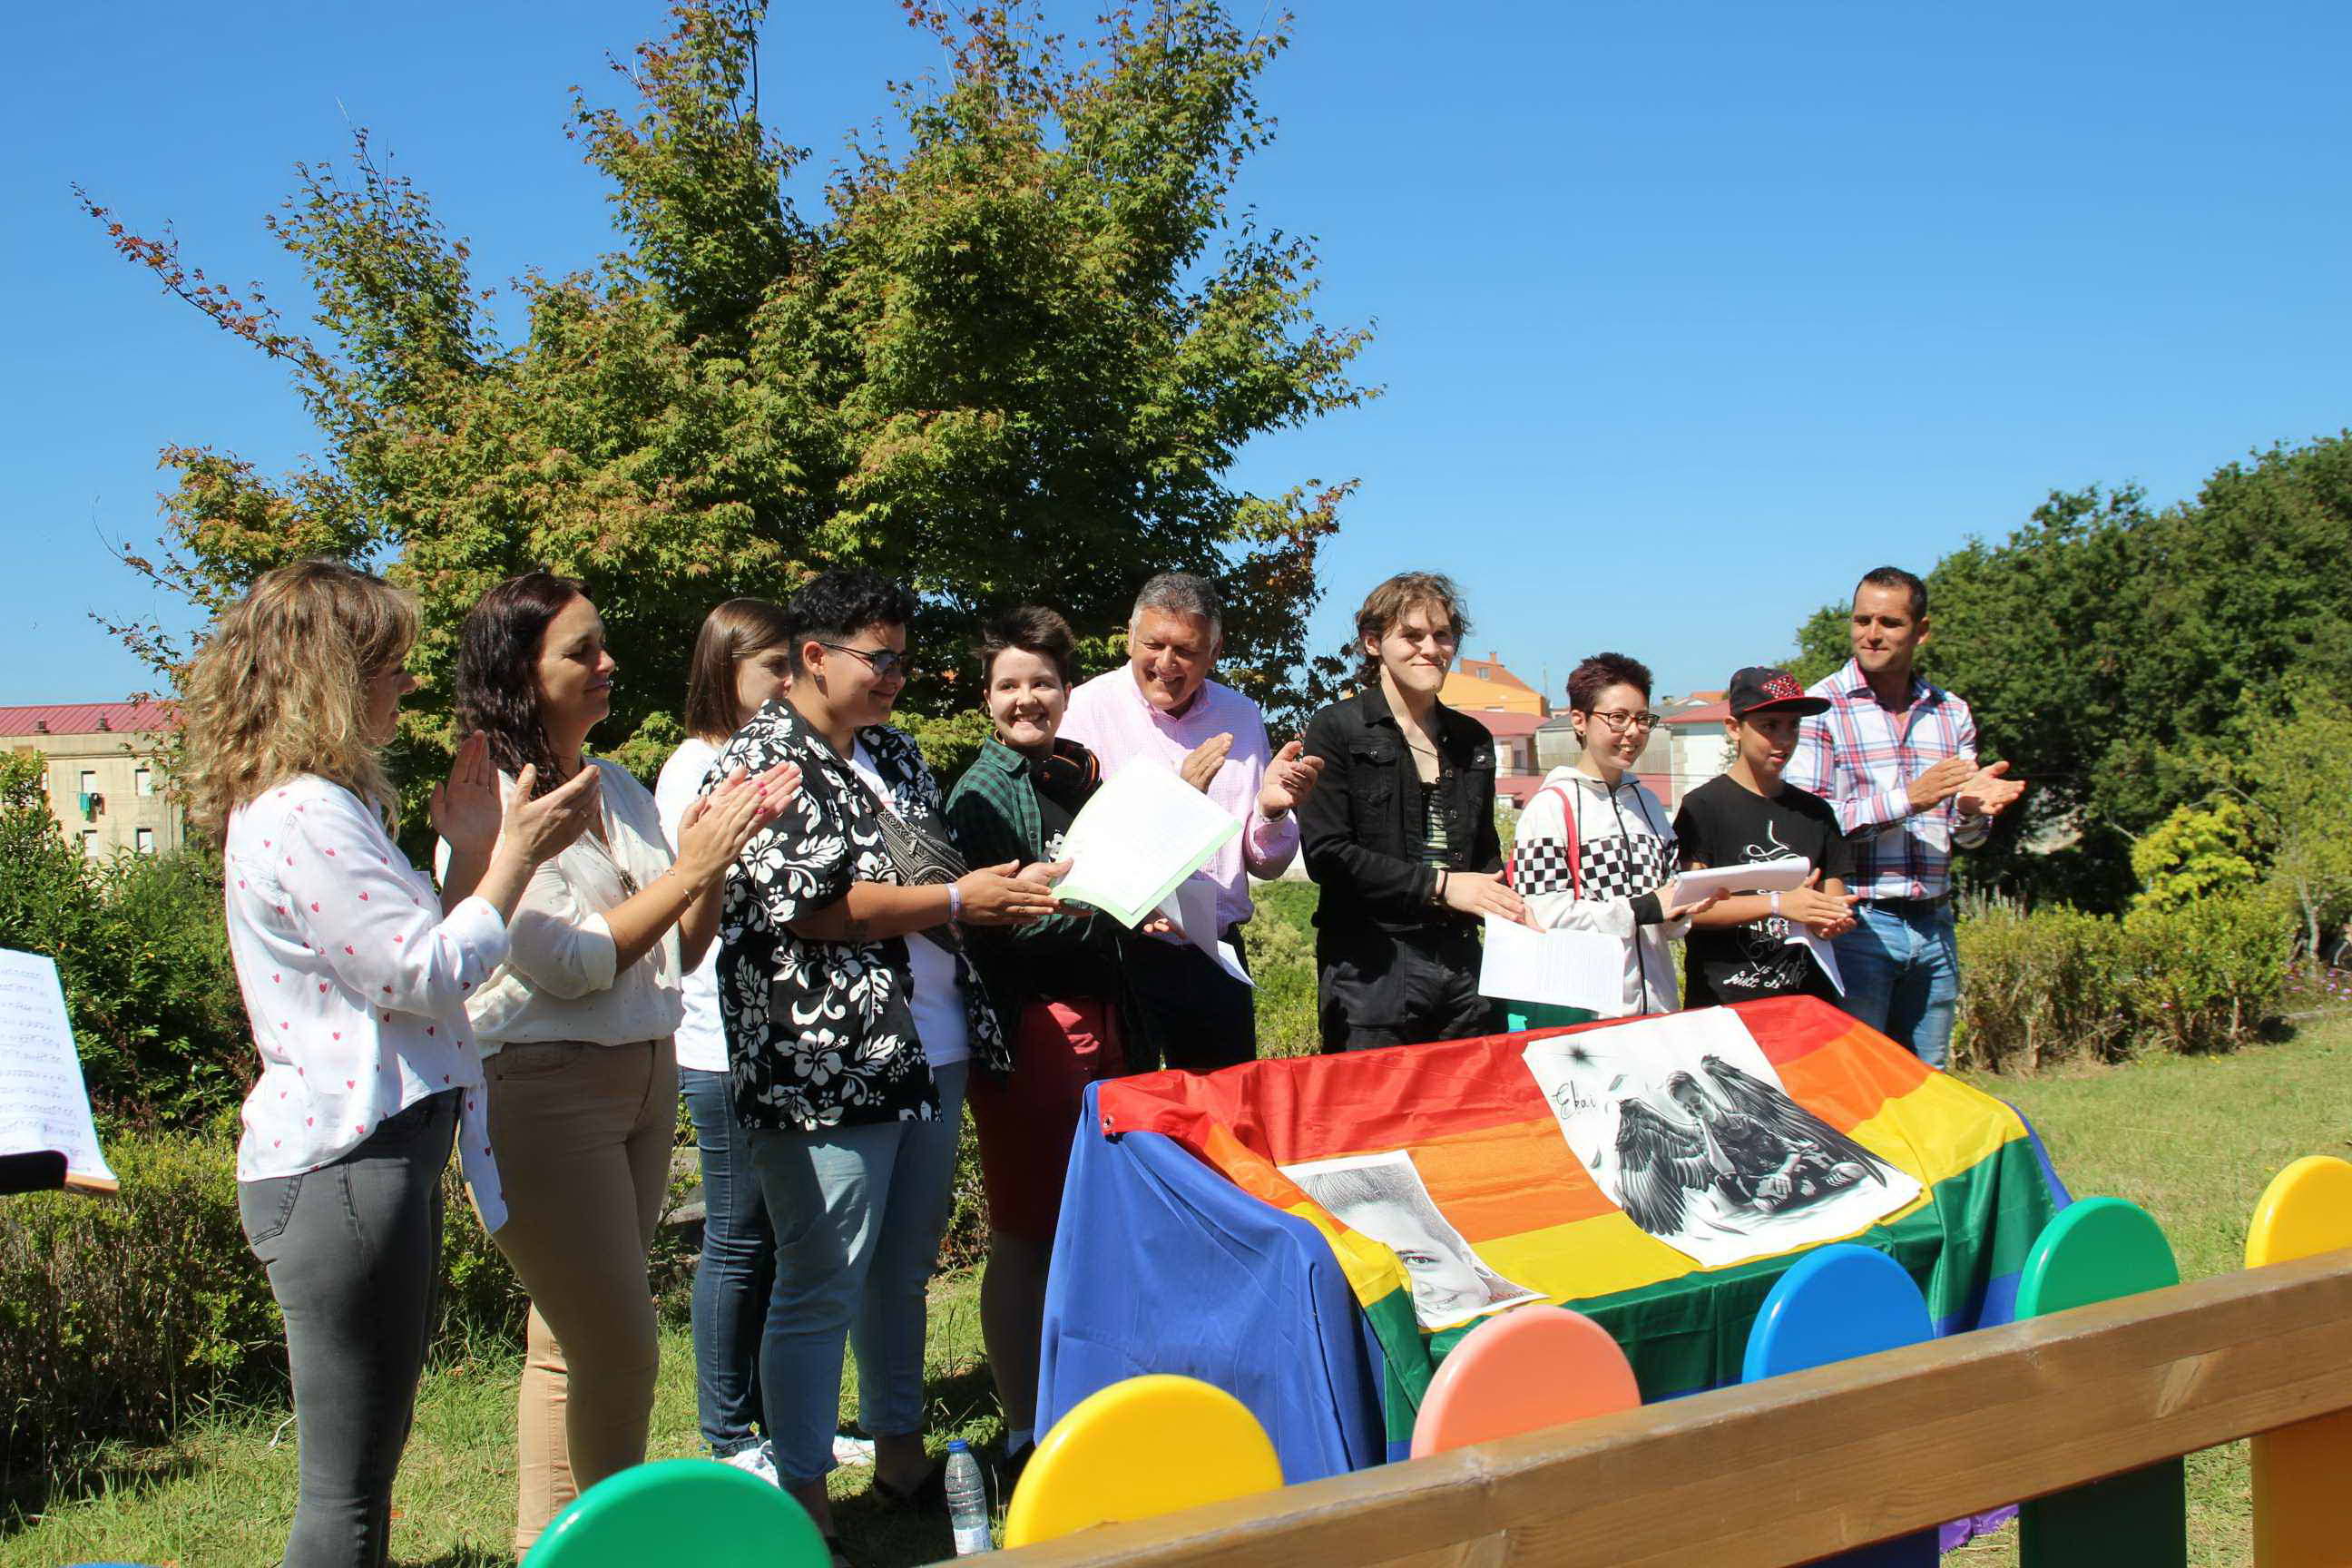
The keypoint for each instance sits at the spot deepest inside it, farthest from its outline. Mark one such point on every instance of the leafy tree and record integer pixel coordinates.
(1823, 644)
(2196, 852)
(1015, 359)
(2295, 772)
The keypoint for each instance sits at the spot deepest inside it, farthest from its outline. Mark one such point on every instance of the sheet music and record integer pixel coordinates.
(1143, 833)
(43, 1101)
(1563, 968)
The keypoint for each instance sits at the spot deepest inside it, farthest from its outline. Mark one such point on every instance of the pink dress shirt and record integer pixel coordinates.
(1111, 716)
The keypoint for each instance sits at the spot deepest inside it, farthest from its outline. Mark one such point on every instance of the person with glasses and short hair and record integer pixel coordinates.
(1595, 850)
(852, 1019)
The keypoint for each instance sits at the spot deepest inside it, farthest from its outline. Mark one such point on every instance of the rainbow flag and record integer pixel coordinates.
(1185, 1248)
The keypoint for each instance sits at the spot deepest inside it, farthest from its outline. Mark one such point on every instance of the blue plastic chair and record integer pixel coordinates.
(1836, 1304)
(2096, 1250)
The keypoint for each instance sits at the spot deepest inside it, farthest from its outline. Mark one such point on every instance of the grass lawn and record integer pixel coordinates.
(2193, 1140)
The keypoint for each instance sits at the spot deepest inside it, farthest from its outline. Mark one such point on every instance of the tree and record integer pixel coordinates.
(2196, 852)
(1015, 360)
(2295, 772)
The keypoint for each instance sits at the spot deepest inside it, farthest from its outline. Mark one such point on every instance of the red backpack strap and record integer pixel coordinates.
(1568, 821)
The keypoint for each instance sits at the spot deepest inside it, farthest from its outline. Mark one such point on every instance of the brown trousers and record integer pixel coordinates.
(582, 1135)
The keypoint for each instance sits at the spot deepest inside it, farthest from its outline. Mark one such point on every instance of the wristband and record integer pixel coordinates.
(1775, 905)
(955, 901)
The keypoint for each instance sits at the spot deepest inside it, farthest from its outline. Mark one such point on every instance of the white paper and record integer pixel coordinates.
(1684, 1125)
(1783, 875)
(1143, 833)
(1382, 1196)
(1562, 968)
(43, 1102)
(1191, 908)
(1823, 953)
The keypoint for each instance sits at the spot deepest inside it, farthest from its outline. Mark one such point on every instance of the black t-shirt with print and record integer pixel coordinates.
(1723, 823)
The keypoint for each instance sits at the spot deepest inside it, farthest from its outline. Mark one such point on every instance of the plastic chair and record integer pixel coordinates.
(1834, 1304)
(2300, 1470)
(1142, 1447)
(2096, 1250)
(1534, 1367)
(688, 1511)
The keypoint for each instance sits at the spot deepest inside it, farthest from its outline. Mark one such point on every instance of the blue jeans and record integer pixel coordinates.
(1902, 972)
(857, 1213)
(738, 1271)
(353, 1253)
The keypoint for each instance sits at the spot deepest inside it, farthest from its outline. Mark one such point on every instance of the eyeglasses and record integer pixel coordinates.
(885, 662)
(1618, 721)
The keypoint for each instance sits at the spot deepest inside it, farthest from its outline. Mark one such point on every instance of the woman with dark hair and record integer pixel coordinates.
(583, 1087)
(852, 1013)
(1399, 836)
(1056, 983)
(1595, 852)
(742, 658)
(348, 962)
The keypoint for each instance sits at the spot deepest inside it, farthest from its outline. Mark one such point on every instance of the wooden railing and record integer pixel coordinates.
(1788, 1470)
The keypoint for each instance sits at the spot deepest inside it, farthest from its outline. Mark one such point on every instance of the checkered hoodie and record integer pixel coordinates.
(1625, 849)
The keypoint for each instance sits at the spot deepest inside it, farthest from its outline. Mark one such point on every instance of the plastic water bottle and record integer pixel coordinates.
(967, 1501)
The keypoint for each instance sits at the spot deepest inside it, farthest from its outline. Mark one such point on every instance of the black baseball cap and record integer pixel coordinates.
(1761, 689)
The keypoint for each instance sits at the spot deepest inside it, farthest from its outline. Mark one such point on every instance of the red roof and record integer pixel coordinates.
(1506, 726)
(1494, 672)
(87, 718)
(1711, 713)
(1518, 788)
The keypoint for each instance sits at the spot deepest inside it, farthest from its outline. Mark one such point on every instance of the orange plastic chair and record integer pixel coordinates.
(2301, 1471)
(1138, 1449)
(1536, 1367)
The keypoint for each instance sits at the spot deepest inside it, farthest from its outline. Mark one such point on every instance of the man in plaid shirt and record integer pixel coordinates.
(1895, 758)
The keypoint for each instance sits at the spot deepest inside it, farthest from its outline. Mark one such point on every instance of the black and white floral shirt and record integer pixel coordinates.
(821, 1034)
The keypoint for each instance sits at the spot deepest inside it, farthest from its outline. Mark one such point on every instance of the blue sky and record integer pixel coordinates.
(1687, 312)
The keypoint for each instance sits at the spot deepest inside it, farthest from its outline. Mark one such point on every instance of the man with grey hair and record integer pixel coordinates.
(1162, 710)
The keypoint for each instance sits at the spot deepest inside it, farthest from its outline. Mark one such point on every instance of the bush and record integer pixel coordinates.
(1281, 944)
(2057, 983)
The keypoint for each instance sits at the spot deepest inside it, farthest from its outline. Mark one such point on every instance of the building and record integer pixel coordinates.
(1483, 686)
(105, 776)
(1697, 748)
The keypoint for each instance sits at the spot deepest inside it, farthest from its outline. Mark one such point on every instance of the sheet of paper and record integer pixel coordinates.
(1823, 953)
(1756, 877)
(1564, 968)
(1143, 833)
(1191, 908)
(43, 1102)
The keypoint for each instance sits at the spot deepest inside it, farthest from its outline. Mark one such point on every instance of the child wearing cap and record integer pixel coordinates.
(1740, 948)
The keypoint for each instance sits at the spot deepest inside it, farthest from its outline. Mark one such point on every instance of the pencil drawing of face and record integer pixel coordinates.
(1382, 1196)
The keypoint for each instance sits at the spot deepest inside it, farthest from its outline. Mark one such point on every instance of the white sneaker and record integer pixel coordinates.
(759, 1460)
(849, 1450)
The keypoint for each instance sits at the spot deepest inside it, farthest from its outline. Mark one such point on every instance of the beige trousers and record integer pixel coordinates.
(582, 1135)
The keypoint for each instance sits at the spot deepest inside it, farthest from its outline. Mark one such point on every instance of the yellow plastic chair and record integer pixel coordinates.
(1143, 1448)
(2300, 1471)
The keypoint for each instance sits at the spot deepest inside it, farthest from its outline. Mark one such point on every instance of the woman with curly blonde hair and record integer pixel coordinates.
(355, 979)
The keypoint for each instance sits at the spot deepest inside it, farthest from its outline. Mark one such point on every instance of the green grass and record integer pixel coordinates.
(2193, 1140)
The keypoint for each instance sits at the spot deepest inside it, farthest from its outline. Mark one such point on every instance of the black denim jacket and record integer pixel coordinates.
(1361, 830)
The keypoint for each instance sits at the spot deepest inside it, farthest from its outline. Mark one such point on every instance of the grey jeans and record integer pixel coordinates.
(353, 1251)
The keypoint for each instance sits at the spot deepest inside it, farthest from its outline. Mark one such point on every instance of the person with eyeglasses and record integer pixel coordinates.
(852, 1016)
(1595, 850)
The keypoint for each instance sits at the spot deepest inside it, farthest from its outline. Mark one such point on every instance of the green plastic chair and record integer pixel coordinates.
(2098, 1250)
(698, 1513)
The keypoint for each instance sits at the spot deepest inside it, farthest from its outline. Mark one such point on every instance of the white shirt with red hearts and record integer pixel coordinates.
(355, 982)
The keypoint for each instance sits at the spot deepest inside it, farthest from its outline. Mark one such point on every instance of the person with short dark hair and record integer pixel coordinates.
(1161, 709)
(1056, 983)
(742, 656)
(1399, 833)
(1896, 759)
(575, 1026)
(1594, 850)
(1744, 947)
(853, 1014)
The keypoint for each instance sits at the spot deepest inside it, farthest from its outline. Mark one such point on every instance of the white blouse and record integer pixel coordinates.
(701, 1035)
(557, 981)
(356, 984)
